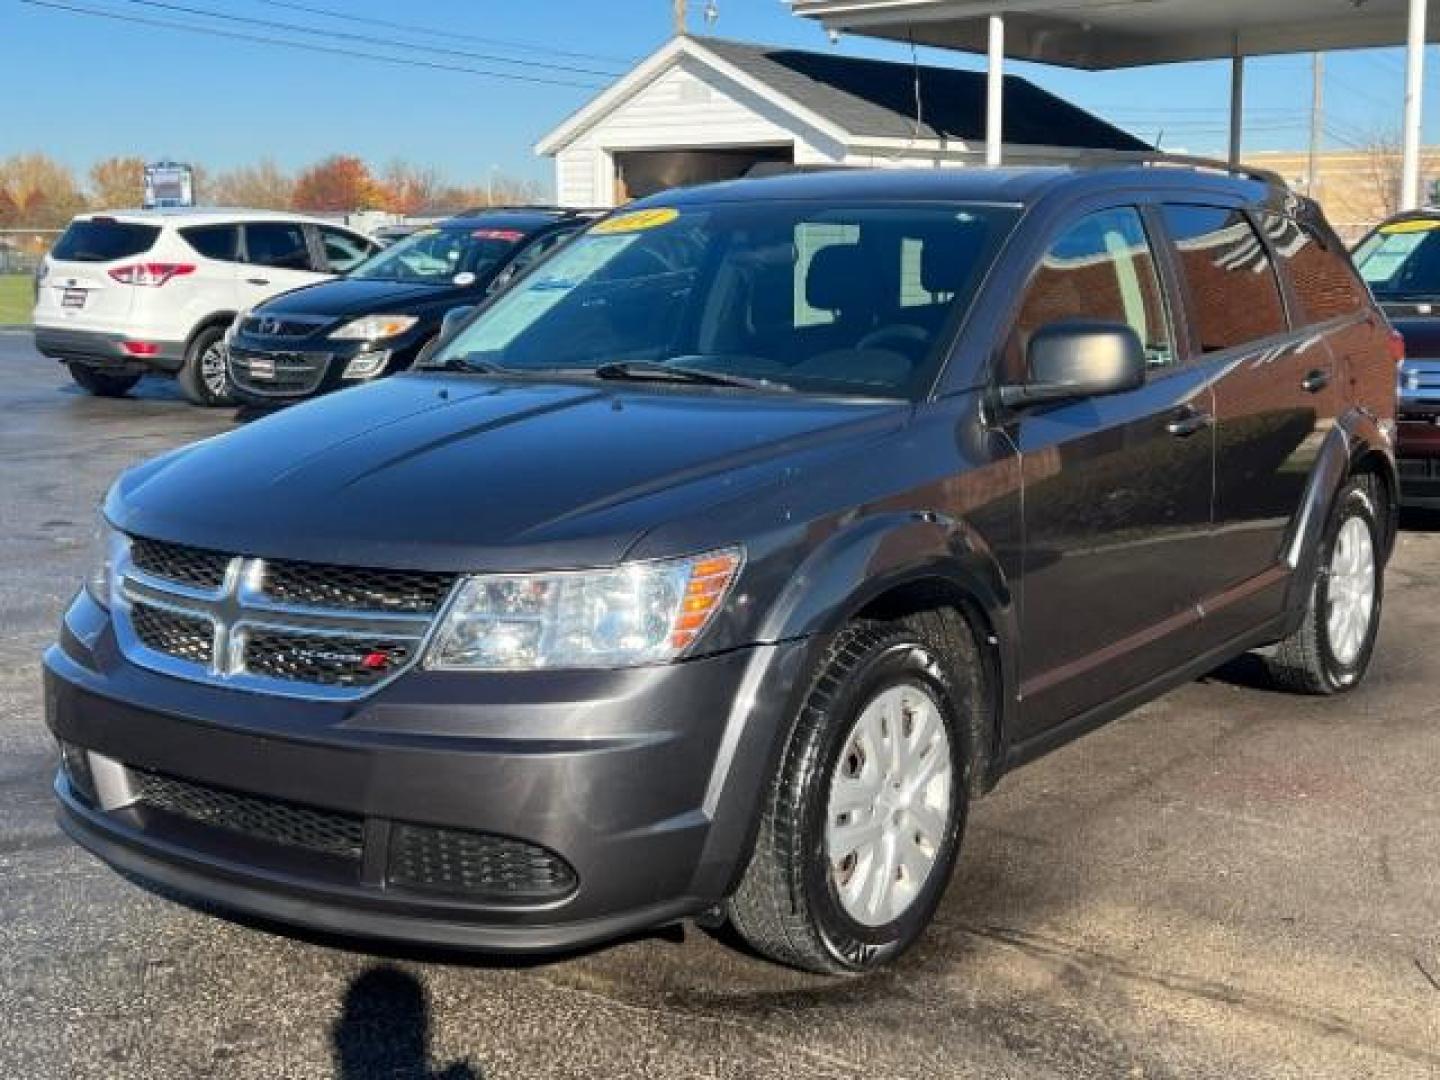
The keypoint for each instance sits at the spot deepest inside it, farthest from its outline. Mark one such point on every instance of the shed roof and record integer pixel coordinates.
(877, 98)
(857, 99)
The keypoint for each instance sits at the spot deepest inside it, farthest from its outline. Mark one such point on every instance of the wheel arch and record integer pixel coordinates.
(1355, 445)
(893, 566)
(221, 319)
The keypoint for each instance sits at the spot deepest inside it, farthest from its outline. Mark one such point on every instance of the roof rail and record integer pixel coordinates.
(1159, 158)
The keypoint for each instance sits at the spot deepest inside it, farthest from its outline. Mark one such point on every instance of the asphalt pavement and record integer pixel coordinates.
(1230, 882)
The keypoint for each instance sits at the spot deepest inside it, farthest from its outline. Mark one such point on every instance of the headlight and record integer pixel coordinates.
(374, 327)
(639, 613)
(106, 551)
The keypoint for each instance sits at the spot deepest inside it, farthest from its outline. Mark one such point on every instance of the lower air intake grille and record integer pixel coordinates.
(185, 637)
(475, 865)
(278, 822)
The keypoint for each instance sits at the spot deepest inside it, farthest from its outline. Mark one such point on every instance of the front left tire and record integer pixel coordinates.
(861, 829)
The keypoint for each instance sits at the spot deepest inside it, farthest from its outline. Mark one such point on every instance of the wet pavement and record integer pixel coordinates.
(1230, 882)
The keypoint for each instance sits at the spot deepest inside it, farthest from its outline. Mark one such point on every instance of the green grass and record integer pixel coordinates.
(17, 297)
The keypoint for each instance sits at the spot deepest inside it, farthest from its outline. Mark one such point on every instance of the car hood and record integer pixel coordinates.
(355, 296)
(454, 472)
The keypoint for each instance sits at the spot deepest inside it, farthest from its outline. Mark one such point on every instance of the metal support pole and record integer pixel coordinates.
(1237, 106)
(995, 93)
(1414, 97)
(1317, 124)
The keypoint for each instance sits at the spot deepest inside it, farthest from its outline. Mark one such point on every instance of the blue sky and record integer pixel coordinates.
(82, 87)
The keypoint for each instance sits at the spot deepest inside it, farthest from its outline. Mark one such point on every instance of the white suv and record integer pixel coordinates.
(137, 292)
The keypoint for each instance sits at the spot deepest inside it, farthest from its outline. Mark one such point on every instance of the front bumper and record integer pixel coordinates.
(105, 350)
(297, 371)
(646, 782)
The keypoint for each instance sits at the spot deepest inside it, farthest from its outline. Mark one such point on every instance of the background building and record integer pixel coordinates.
(704, 109)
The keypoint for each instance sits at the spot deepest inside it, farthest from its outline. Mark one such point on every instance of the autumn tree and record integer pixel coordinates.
(117, 182)
(261, 186)
(410, 188)
(42, 191)
(340, 182)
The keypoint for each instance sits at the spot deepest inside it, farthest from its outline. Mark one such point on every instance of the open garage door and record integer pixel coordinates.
(644, 172)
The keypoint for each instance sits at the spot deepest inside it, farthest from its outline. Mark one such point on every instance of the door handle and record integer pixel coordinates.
(257, 281)
(1188, 421)
(1316, 381)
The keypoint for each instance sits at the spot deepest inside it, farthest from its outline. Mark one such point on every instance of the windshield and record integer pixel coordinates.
(850, 300)
(436, 256)
(1402, 259)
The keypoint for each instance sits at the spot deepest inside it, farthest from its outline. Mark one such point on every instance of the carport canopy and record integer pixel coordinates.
(1101, 35)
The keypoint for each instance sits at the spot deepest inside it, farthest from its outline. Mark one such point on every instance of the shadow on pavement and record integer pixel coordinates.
(384, 1030)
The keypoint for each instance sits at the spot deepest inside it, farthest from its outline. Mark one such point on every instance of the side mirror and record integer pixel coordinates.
(452, 320)
(1069, 360)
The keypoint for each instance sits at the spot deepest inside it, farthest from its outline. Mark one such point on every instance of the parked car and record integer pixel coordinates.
(713, 568)
(376, 320)
(139, 292)
(1400, 260)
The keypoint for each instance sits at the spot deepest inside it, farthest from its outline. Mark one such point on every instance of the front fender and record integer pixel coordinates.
(858, 564)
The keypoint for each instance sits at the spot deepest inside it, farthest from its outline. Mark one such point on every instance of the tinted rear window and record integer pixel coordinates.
(1325, 284)
(214, 241)
(104, 240)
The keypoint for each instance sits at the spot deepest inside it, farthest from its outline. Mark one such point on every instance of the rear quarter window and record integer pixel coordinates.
(1326, 285)
(104, 240)
(1234, 294)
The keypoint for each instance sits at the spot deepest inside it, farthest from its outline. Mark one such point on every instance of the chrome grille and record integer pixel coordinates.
(176, 562)
(185, 637)
(346, 587)
(273, 820)
(296, 628)
(282, 326)
(328, 660)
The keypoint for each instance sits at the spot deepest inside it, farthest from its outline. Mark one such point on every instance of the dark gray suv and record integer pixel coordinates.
(715, 567)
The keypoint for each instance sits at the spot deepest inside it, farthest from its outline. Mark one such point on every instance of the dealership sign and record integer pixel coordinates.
(168, 183)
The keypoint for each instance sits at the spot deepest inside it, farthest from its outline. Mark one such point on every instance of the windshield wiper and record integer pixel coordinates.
(470, 362)
(640, 370)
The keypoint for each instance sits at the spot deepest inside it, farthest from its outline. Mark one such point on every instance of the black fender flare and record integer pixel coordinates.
(1356, 442)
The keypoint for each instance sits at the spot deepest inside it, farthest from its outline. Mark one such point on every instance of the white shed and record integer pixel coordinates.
(705, 109)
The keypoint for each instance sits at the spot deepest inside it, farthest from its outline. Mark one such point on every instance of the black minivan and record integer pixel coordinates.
(377, 318)
(712, 569)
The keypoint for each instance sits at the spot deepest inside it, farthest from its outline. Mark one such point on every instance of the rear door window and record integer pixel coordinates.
(280, 244)
(1101, 269)
(220, 242)
(104, 240)
(1325, 284)
(1234, 295)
